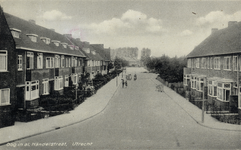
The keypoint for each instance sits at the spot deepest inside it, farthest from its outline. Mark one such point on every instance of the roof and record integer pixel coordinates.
(83, 45)
(221, 42)
(102, 52)
(28, 28)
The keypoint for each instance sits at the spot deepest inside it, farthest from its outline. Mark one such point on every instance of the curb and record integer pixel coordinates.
(57, 128)
(198, 122)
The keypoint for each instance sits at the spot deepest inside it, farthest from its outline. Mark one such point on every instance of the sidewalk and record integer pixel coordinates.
(89, 108)
(196, 113)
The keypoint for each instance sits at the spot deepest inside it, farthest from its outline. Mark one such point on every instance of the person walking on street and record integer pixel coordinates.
(126, 83)
(123, 83)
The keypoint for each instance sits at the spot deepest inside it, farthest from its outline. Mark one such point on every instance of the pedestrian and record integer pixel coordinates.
(123, 83)
(126, 83)
(135, 77)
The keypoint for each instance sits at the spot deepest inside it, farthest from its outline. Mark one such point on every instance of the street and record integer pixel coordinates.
(137, 117)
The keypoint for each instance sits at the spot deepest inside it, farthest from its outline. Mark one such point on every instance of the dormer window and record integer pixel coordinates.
(71, 47)
(15, 32)
(64, 45)
(76, 48)
(33, 37)
(87, 50)
(45, 40)
(56, 43)
(93, 52)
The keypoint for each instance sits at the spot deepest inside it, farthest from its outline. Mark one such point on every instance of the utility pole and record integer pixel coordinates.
(203, 106)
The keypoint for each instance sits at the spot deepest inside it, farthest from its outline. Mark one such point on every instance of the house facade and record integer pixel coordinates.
(213, 70)
(8, 74)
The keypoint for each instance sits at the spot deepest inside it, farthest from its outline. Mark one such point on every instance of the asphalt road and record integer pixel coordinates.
(137, 117)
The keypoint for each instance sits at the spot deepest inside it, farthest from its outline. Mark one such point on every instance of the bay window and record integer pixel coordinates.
(31, 90)
(58, 83)
(66, 81)
(224, 91)
(45, 86)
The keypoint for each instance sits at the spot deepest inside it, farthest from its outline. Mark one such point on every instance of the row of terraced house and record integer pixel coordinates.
(35, 61)
(213, 70)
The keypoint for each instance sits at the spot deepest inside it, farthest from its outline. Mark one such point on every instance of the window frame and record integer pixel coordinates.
(227, 65)
(29, 92)
(6, 60)
(45, 87)
(50, 64)
(39, 60)
(20, 62)
(58, 83)
(216, 63)
(31, 60)
(235, 63)
(8, 96)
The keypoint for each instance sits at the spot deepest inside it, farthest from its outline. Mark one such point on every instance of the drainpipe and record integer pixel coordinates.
(238, 82)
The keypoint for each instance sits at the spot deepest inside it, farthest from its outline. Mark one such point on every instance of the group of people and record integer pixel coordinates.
(128, 77)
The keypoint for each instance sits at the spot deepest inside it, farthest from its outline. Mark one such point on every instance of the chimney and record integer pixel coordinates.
(231, 23)
(214, 30)
(52, 30)
(86, 43)
(32, 21)
(68, 35)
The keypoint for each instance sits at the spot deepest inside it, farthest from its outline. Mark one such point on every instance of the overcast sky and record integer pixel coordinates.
(172, 28)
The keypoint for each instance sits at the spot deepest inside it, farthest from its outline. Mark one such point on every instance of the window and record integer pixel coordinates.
(40, 60)
(20, 62)
(224, 91)
(30, 60)
(203, 63)
(199, 84)
(197, 62)
(75, 78)
(193, 83)
(212, 88)
(15, 32)
(4, 97)
(235, 63)
(56, 43)
(45, 86)
(45, 40)
(211, 63)
(3, 60)
(33, 37)
(208, 63)
(49, 62)
(217, 63)
(32, 90)
(62, 61)
(67, 62)
(64, 45)
(58, 83)
(71, 47)
(57, 61)
(226, 63)
(66, 81)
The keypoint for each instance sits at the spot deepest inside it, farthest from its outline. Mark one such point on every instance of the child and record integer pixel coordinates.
(126, 83)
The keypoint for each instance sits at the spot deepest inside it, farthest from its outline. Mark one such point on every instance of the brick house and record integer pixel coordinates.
(46, 61)
(8, 74)
(213, 69)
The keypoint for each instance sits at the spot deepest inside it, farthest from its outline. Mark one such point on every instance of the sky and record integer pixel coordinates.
(171, 27)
